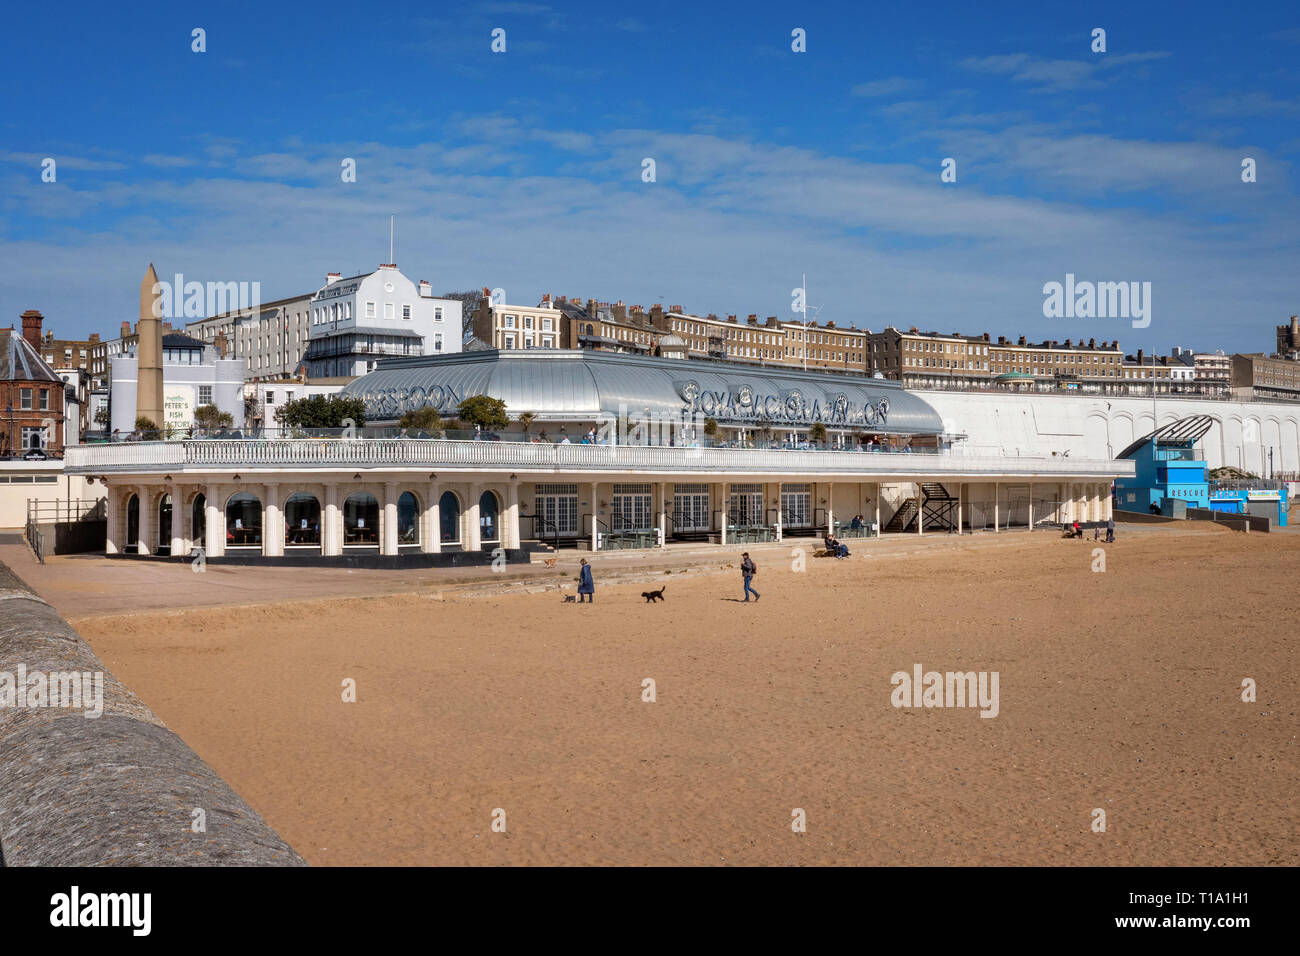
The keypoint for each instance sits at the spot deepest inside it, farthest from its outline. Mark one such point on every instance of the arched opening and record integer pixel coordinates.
(408, 520)
(165, 524)
(243, 521)
(449, 518)
(489, 509)
(132, 522)
(361, 521)
(199, 521)
(302, 521)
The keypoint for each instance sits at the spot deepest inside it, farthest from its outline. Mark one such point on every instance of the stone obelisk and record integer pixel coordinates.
(149, 381)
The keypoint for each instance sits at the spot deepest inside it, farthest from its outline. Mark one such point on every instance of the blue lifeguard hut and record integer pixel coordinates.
(1171, 471)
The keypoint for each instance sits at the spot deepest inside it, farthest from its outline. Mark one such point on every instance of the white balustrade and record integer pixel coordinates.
(485, 455)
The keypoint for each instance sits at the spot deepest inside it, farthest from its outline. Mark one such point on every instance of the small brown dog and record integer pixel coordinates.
(550, 562)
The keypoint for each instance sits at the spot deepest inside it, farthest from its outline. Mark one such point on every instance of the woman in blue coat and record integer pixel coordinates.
(586, 587)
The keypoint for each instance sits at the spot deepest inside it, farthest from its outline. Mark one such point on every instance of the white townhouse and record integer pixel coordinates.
(359, 320)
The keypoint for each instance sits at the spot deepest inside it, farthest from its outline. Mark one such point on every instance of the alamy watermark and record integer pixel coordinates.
(950, 689)
(82, 690)
(197, 300)
(1098, 300)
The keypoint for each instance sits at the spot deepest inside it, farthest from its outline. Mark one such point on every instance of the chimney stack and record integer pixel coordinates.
(1139, 356)
(32, 327)
(426, 290)
(1022, 341)
(126, 329)
(332, 277)
(94, 337)
(986, 336)
(752, 319)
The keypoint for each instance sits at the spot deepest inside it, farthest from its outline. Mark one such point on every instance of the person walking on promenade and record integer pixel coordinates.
(1110, 529)
(586, 586)
(747, 571)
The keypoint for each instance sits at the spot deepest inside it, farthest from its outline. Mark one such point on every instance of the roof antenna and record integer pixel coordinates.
(392, 223)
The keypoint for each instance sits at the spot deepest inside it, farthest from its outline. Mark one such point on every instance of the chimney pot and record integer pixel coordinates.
(32, 327)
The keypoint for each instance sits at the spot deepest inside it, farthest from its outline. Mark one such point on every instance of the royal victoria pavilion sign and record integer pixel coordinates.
(746, 404)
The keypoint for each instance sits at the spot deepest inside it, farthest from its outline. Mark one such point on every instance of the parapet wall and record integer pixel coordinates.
(118, 789)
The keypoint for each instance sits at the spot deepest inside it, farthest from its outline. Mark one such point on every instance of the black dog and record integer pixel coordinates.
(652, 596)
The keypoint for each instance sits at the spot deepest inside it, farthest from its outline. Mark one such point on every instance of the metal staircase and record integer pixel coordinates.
(936, 503)
(939, 506)
(904, 517)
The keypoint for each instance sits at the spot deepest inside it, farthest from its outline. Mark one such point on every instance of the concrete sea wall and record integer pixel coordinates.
(118, 789)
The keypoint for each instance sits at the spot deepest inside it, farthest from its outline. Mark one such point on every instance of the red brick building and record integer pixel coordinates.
(31, 395)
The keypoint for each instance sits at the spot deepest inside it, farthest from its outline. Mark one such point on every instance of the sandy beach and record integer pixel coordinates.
(1119, 690)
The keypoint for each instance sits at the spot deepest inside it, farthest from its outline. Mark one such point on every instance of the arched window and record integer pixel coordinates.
(361, 520)
(165, 524)
(132, 521)
(449, 518)
(488, 509)
(243, 521)
(302, 521)
(408, 519)
(199, 521)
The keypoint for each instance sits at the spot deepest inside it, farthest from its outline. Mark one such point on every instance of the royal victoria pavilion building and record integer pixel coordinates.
(622, 451)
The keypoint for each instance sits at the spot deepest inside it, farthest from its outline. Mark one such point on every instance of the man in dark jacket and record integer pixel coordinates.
(747, 571)
(586, 586)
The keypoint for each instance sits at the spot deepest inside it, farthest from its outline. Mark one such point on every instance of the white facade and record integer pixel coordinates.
(76, 401)
(357, 321)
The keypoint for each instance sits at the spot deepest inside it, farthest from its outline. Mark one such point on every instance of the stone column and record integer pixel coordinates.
(997, 498)
(388, 541)
(272, 522)
(1031, 506)
(114, 537)
(663, 511)
(961, 504)
(178, 520)
(214, 522)
(780, 518)
(145, 545)
(510, 529)
(726, 509)
(473, 538)
(331, 523)
(920, 509)
(877, 509)
(830, 507)
(595, 513)
(433, 519)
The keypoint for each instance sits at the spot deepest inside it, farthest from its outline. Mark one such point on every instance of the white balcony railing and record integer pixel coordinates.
(280, 454)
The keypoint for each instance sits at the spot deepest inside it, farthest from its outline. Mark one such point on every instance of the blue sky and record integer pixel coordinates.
(522, 169)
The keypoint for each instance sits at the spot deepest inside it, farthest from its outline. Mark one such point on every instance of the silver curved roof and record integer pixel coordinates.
(583, 385)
